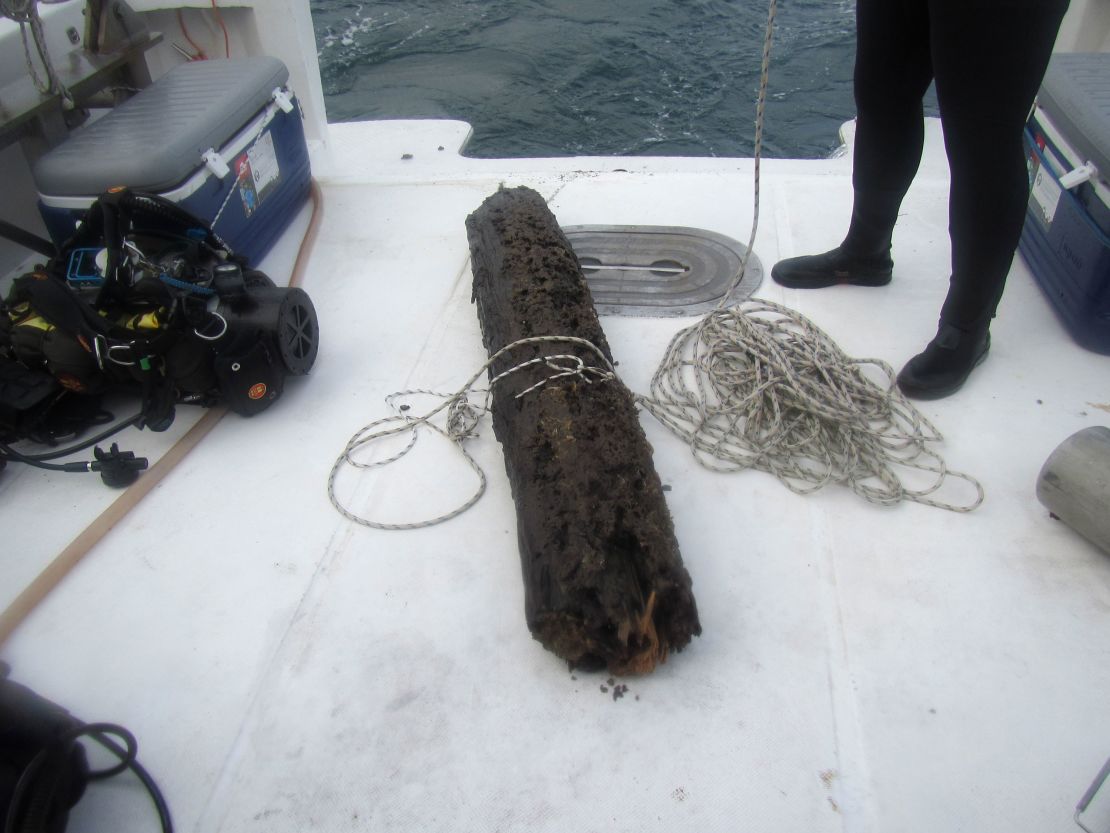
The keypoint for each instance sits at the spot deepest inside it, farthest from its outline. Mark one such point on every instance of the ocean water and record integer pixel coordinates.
(570, 77)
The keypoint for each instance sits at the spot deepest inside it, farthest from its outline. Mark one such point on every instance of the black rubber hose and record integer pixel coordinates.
(160, 206)
(83, 444)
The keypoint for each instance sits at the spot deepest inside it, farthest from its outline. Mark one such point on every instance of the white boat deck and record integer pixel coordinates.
(861, 668)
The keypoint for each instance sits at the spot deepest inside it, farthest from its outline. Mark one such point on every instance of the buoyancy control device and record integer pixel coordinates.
(147, 299)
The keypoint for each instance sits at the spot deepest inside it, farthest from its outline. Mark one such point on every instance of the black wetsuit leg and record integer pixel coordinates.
(892, 72)
(988, 57)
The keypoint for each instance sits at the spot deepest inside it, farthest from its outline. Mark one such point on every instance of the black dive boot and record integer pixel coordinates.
(832, 268)
(863, 259)
(945, 364)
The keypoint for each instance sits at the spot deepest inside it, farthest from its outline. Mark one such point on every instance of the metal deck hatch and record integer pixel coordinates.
(661, 271)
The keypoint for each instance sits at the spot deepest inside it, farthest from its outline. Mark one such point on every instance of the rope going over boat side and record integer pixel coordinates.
(760, 386)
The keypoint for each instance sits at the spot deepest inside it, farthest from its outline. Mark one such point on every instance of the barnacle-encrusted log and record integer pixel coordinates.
(604, 581)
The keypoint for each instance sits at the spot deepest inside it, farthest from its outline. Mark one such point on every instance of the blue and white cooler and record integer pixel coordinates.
(1066, 238)
(223, 138)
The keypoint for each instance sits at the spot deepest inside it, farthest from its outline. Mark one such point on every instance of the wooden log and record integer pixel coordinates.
(603, 577)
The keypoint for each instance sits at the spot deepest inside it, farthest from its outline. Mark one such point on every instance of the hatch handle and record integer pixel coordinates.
(1089, 796)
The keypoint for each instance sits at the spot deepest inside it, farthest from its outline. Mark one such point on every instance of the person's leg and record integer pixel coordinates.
(989, 58)
(892, 72)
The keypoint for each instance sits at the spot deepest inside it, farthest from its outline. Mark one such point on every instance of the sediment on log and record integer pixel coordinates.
(603, 577)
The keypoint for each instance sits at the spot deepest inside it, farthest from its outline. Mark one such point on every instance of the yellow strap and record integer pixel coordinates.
(36, 322)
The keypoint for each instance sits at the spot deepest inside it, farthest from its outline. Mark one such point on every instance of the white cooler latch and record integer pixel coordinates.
(1079, 176)
(215, 163)
(283, 99)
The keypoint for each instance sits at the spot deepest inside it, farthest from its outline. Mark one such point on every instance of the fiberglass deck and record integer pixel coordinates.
(861, 669)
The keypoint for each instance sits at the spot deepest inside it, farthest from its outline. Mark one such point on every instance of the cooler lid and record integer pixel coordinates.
(1075, 94)
(156, 139)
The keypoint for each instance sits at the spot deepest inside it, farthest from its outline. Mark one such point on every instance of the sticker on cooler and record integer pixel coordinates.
(258, 173)
(1046, 194)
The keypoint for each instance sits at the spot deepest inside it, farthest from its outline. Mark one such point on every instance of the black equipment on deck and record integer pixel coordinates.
(143, 298)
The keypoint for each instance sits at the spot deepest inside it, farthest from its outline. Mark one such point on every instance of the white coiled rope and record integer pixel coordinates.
(759, 386)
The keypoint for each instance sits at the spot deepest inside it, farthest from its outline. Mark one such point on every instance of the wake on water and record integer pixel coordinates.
(562, 77)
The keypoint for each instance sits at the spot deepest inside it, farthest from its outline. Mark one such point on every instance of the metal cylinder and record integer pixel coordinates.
(1074, 484)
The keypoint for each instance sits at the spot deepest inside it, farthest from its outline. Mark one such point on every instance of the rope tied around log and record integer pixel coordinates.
(462, 417)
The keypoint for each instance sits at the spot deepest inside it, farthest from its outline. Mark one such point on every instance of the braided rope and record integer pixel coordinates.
(26, 14)
(760, 386)
(462, 418)
(43, 87)
(757, 148)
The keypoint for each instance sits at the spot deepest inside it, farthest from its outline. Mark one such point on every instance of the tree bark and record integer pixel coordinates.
(603, 577)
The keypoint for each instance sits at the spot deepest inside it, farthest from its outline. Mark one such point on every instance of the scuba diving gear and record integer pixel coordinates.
(25, 395)
(117, 468)
(146, 298)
